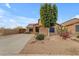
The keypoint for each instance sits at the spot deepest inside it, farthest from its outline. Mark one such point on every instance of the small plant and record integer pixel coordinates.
(63, 32)
(40, 37)
(65, 35)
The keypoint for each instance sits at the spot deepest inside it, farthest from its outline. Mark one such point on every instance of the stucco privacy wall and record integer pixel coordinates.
(1, 31)
(8, 31)
(43, 30)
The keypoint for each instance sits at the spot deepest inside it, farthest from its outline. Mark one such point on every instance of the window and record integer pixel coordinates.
(77, 28)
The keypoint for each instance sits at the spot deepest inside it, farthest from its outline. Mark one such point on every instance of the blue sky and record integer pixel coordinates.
(20, 14)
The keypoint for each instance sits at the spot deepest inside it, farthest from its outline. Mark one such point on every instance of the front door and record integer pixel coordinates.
(52, 29)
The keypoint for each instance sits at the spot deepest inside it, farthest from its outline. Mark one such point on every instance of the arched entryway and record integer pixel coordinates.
(37, 29)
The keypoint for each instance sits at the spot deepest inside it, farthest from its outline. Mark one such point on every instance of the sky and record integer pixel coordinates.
(21, 14)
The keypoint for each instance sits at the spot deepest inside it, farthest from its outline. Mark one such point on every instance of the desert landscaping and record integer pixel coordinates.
(43, 35)
(53, 46)
(26, 44)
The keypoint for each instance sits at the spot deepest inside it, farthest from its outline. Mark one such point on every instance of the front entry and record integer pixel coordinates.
(30, 30)
(37, 29)
(52, 29)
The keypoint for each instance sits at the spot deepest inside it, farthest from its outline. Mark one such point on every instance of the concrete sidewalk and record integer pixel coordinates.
(13, 44)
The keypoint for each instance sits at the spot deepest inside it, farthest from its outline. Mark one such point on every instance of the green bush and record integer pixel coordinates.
(40, 37)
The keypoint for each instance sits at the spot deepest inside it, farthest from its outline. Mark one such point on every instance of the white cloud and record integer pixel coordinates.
(77, 16)
(9, 20)
(24, 21)
(8, 5)
(27, 20)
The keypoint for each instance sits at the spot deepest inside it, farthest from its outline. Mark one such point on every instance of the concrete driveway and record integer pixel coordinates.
(13, 44)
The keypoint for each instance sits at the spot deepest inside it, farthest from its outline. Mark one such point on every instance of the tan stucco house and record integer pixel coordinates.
(72, 25)
(33, 28)
(39, 28)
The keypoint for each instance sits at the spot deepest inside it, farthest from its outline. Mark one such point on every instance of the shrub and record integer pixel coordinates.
(65, 35)
(40, 37)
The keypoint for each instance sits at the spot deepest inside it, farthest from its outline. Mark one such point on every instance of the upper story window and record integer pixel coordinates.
(77, 28)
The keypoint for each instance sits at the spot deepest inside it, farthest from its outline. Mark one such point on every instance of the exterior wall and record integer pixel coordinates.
(36, 25)
(1, 31)
(34, 31)
(72, 28)
(39, 23)
(43, 30)
(75, 27)
(71, 25)
(57, 27)
(22, 30)
(29, 29)
(10, 31)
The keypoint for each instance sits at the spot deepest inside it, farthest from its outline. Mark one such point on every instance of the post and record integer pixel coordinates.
(48, 32)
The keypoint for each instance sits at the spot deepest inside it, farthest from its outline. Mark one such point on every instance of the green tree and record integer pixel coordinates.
(55, 14)
(48, 15)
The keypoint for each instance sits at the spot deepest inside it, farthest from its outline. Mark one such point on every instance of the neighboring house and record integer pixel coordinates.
(72, 25)
(22, 30)
(39, 28)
